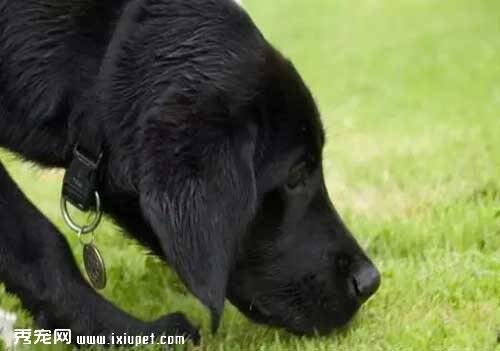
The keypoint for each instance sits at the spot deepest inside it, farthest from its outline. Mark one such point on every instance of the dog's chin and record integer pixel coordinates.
(296, 323)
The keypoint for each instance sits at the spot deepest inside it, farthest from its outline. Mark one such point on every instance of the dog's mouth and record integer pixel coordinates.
(300, 319)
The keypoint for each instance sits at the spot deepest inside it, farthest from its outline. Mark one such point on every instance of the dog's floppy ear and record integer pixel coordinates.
(198, 193)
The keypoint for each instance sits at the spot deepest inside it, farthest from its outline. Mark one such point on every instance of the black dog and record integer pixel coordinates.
(212, 158)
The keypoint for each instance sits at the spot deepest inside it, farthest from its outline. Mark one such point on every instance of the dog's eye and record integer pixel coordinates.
(298, 175)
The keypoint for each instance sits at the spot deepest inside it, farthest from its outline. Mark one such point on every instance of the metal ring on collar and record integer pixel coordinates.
(86, 229)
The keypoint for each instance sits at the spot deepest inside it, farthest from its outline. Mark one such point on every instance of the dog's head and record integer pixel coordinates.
(242, 211)
(229, 176)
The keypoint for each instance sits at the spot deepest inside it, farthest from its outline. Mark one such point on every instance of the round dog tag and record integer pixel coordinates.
(94, 266)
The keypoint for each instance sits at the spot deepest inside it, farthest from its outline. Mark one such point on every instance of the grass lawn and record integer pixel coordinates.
(410, 95)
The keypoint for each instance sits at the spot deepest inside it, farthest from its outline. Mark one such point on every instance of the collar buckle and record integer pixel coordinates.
(81, 180)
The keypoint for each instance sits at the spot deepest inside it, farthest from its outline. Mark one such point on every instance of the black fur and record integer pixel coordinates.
(212, 159)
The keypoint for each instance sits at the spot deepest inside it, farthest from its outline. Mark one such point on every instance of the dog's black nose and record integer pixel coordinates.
(366, 280)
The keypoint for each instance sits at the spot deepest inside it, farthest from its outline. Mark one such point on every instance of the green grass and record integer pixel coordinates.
(410, 95)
